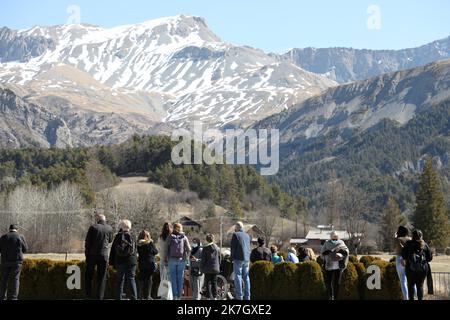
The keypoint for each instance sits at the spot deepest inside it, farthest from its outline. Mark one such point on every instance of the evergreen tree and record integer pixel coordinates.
(431, 214)
(391, 219)
(235, 207)
(301, 207)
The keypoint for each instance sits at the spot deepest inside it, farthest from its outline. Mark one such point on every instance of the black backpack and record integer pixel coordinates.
(417, 261)
(124, 248)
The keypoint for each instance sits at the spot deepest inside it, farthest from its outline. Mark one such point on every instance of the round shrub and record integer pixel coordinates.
(361, 270)
(367, 260)
(384, 292)
(284, 283)
(393, 282)
(311, 281)
(349, 286)
(353, 259)
(447, 251)
(260, 279)
(320, 261)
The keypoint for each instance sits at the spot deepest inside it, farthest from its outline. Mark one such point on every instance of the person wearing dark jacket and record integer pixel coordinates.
(240, 255)
(123, 259)
(12, 248)
(210, 265)
(147, 263)
(98, 238)
(261, 253)
(196, 277)
(417, 255)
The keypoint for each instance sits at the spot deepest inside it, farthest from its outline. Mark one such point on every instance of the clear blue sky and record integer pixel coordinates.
(274, 26)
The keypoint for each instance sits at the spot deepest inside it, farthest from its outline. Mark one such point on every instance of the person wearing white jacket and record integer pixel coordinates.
(335, 254)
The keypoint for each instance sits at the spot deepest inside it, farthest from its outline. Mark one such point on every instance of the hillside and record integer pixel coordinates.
(373, 134)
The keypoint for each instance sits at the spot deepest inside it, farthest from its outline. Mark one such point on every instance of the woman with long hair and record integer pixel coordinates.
(177, 254)
(147, 264)
(401, 237)
(417, 255)
(163, 245)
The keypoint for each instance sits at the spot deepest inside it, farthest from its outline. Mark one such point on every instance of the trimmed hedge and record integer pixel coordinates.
(390, 285)
(305, 281)
(46, 280)
(261, 280)
(284, 281)
(349, 288)
(361, 270)
(367, 260)
(311, 281)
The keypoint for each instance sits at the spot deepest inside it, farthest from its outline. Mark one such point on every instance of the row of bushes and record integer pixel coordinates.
(305, 281)
(46, 280)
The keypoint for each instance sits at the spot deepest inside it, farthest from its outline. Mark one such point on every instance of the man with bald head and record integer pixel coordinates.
(98, 238)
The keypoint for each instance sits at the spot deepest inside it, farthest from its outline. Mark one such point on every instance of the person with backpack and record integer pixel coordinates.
(240, 255)
(12, 247)
(98, 238)
(147, 263)
(123, 259)
(261, 253)
(417, 255)
(210, 265)
(196, 277)
(401, 238)
(177, 255)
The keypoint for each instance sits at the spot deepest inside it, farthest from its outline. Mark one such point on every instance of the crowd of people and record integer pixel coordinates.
(203, 260)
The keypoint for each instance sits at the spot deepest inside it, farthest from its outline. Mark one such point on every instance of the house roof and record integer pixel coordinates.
(321, 234)
(298, 241)
(186, 221)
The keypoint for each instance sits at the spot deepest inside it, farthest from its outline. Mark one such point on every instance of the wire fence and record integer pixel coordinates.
(441, 285)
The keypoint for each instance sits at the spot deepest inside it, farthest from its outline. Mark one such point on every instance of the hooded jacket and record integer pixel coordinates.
(210, 259)
(146, 254)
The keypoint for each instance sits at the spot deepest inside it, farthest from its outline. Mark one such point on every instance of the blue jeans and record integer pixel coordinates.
(241, 276)
(126, 272)
(402, 276)
(176, 271)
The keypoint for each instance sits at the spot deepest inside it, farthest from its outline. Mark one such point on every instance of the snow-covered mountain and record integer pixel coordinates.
(189, 72)
(348, 64)
(356, 107)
